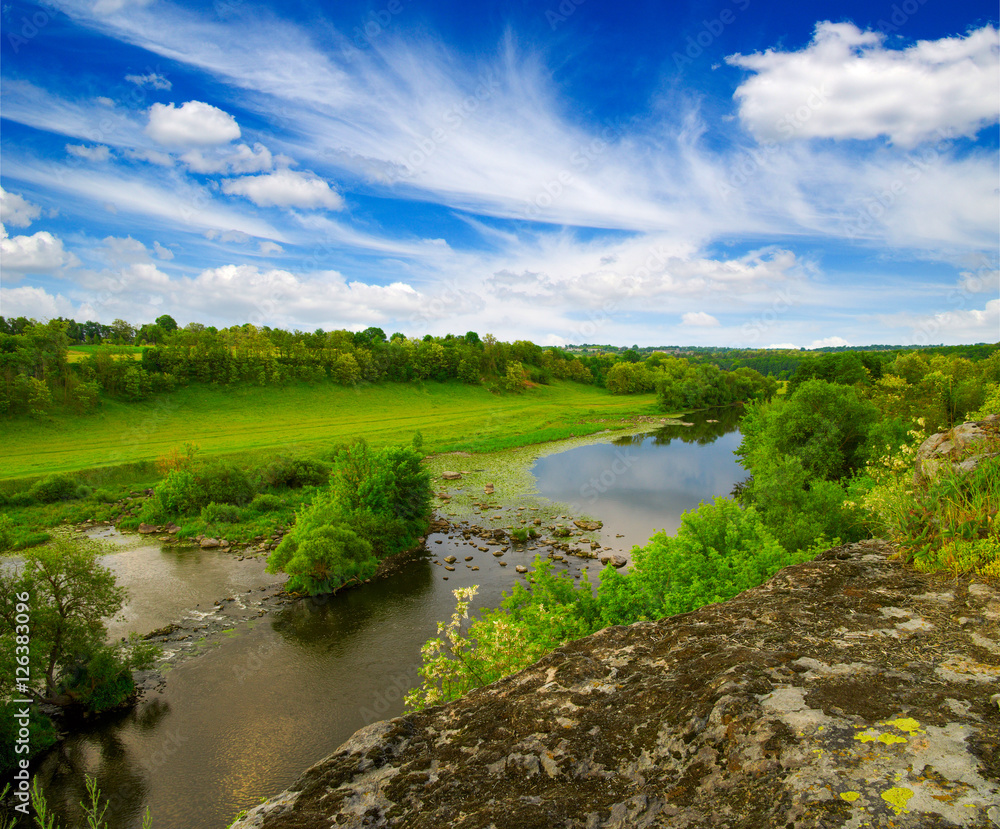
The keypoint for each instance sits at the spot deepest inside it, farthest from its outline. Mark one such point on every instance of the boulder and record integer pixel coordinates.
(209, 543)
(451, 476)
(589, 526)
(614, 559)
(847, 691)
(148, 529)
(962, 447)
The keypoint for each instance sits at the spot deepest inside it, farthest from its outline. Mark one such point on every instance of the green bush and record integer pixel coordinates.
(377, 504)
(294, 473)
(104, 496)
(520, 535)
(54, 488)
(6, 533)
(213, 513)
(179, 493)
(224, 483)
(22, 499)
(266, 502)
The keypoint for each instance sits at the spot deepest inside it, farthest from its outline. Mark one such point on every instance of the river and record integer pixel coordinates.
(273, 688)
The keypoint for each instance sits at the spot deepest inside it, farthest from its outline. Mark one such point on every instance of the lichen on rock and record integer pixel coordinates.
(814, 700)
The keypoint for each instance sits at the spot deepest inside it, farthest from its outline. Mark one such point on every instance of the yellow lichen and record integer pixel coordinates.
(907, 724)
(897, 798)
(866, 737)
(850, 797)
(889, 739)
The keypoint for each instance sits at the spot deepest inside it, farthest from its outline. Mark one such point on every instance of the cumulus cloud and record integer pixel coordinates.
(39, 253)
(124, 251)
(963, 325)
(285, 188)
(193, 124)
(239, 159)
(699, 319)
(34, 303)
(829, 342)
(98, 153)
(847, 84)
(16, 210)
(154, 80)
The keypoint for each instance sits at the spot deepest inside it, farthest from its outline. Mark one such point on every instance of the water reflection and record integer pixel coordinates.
(639, 484)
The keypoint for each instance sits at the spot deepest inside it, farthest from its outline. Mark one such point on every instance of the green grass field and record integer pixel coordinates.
(258, 421)
(78, 353)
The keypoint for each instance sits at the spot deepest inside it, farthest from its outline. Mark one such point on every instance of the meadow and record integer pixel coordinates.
(247, 422)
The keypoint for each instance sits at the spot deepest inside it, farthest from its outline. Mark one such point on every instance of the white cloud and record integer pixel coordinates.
(239, 159)
(962, 326)
(699, 319)
(285, 188)
(193, 124)
(108, 7)
(39, 253)
(98, 153)
(270, 248)
(152, 156)
(34, 303)
(124, 251)
(16, 210)
(154, 80)
(237, 236)
(846, 84)
(828, 342)
(162, 252)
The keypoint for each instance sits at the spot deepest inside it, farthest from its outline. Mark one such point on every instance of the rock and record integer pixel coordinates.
(589, 526)
(498, 553)
(952, 449)
(209, 543)
(520, 568)
(450, 559)
(488, 489)
(147, 529)
(451, 476)
(614, 559)
(801, 703)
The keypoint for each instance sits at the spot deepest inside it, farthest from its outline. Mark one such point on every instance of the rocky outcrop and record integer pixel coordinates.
(960, 448)
(848, 691)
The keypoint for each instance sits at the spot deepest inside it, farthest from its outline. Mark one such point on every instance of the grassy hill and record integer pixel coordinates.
(249, 420)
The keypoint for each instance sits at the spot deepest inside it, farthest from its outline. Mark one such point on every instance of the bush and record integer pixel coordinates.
(6, 533)
(55, 488)
(294, 473)
(224, 483)
(266, 502)
(104, 496)
(213, 513)
(520, 535)
(179, 493)
(22, 499)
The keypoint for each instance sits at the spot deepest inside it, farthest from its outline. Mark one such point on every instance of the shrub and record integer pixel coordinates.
(224, 483)
(520, 534)
(22, 499)
(213, 513)
(266, 502)
(6, 533)
(104, 496)
(179, 492)
(294, 473)
(55, 488)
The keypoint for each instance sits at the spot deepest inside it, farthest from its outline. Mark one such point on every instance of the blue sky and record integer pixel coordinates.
(732, 172)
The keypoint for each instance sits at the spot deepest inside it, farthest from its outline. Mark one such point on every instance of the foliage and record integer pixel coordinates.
(376, 504)
(94, 810)
(55, 488)
(213, 513)
(294, 472)
(719, 550)
(266, 502)
(68, 595)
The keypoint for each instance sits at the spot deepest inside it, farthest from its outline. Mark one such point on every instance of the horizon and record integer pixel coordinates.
(727, 174)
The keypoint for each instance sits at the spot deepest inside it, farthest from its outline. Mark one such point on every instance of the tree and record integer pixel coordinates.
(66, 594)
(376, 504)
(166, 322)
(122, 332)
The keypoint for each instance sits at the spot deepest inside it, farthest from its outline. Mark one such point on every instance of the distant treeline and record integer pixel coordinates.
(38, 375)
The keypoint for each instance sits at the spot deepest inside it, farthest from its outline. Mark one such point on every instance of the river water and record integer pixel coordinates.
(267, 696)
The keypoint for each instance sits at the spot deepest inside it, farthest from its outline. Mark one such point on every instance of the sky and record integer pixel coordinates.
(710, 172)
